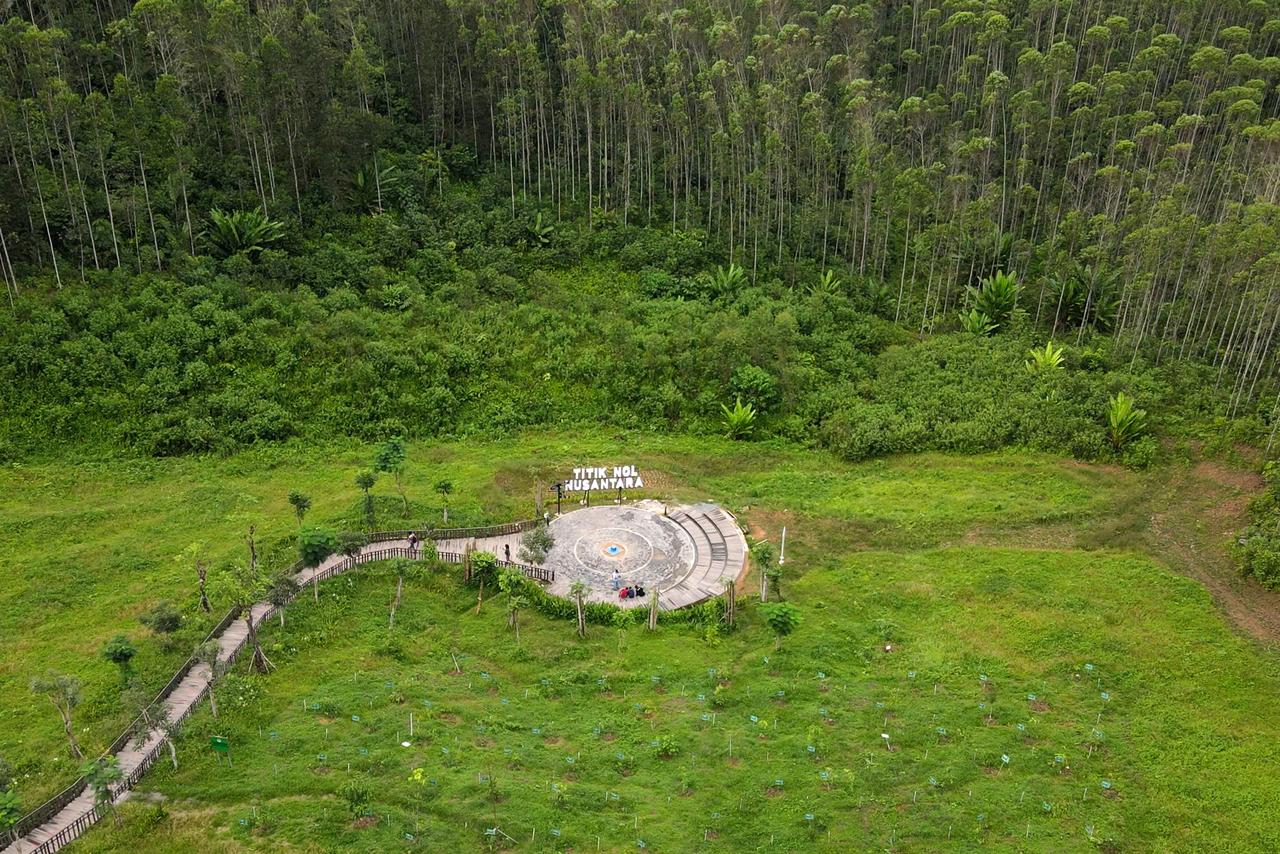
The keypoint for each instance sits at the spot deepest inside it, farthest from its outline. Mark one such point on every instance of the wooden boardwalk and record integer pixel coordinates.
(721, 555)
(140, 752)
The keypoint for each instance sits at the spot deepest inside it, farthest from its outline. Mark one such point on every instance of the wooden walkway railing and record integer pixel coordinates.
(457, 533)
(152, 745)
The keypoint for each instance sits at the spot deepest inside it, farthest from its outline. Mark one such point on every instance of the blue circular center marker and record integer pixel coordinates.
(613, 550)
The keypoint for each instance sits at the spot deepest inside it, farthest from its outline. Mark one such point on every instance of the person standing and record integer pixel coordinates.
(506, 550)
(616, 580)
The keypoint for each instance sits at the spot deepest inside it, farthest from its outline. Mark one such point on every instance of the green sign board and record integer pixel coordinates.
(220, 744)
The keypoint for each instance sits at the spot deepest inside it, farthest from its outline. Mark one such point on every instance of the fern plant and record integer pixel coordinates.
(1047, 360)
(1125, 421)
(241, 232)
(740, 421)
(976, 323)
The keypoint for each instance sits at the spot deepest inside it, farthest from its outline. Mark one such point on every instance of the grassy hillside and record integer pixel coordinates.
(877, 555)
(1165, 722)
(88, 547)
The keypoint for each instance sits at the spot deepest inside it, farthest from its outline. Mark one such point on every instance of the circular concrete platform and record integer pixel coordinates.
(646, 548)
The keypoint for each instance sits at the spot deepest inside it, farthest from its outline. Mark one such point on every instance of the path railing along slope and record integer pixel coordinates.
(67, 815)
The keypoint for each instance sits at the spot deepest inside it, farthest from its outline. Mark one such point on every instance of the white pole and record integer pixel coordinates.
(782, 552)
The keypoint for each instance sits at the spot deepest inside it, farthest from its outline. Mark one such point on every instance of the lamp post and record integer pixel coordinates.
(559, 495)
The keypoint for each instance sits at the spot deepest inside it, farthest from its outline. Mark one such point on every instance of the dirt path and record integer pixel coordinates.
(1195, 514)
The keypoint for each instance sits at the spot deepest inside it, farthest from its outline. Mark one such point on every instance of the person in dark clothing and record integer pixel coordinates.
(506, 548)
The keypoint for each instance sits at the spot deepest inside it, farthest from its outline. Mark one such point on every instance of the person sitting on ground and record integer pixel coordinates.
(624, 593)
(639, 591)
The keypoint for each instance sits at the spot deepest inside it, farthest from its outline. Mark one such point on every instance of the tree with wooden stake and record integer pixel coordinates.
(511, 582)
(246, 584)
(196, 556)
(138, 699)
(350, 544)
(365, 480)
(281, 593)
(209, 654)
(390, 458)
(653, 610)
(535, 543)
(64, 692)
(783, 618)
(10, 811)
(401, 566)
(102, 775)
(773, 574)
(301, 504)
(762, 556)
(120, 652)
(484, 567)
(445, 488)
(170, 730)
(578, 590)
(730, 602)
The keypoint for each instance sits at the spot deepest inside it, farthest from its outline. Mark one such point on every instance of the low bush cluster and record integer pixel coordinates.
(458, 320)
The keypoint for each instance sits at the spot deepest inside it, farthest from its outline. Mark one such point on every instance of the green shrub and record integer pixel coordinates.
(315, 544)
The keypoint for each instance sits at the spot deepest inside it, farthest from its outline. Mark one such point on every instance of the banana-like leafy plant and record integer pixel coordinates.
(828, 283)
(371, 186)
(976, 323)
(1046, 360)
(725, 281)
(540, 233)
(241, 232)
(740, 421)
(879, 297)
(997, 298)
(1125, 421)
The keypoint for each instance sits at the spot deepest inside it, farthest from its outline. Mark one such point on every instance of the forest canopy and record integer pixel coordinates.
(226, 222)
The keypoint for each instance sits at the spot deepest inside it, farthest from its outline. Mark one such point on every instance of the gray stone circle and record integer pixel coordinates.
(645, 547)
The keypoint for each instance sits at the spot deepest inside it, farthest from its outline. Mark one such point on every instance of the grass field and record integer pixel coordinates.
(876, 554)
(631, 737)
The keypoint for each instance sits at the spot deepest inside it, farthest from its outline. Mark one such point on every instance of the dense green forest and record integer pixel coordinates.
(227, 222)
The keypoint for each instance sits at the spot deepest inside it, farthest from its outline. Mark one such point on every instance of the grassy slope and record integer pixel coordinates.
(1188, 755)
(85, 548)
(1029, 619)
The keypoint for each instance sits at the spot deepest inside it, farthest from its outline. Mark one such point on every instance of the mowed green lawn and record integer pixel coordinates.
(1115, 703)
